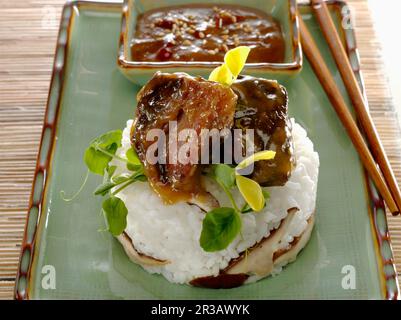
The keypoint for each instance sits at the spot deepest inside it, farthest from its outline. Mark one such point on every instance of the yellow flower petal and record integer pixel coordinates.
(252, 193)
(262, 155)
(235, 59)
(222, 74)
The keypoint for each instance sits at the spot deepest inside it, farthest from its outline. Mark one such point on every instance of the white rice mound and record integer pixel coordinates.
(171, 232)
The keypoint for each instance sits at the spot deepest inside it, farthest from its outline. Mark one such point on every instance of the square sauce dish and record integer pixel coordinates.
(189, 36)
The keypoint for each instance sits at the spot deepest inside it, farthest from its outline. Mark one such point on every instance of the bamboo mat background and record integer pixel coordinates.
(28, 31)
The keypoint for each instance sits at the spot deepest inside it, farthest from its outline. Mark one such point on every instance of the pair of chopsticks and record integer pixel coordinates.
(383, 178)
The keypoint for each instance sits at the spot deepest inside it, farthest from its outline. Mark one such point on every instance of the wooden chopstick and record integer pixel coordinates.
(318, 64)
(351, 83)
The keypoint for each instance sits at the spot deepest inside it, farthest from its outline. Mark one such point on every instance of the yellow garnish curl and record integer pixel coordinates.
(262, 155)
(222, 74)
(235, 59)
(234, 62)
(251, 190)
(252, 193)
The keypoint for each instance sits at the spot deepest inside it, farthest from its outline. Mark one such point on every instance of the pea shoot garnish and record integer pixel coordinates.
(221, 225)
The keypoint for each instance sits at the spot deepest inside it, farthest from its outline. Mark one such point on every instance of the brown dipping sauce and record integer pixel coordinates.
(205, 33)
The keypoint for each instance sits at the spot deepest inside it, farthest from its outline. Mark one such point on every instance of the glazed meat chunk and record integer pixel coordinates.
(193, 103)
(262, 106)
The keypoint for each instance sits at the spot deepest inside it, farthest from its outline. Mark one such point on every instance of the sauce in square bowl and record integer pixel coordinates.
(206, 33)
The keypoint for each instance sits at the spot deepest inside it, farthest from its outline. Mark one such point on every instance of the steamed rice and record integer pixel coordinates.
(171, 232)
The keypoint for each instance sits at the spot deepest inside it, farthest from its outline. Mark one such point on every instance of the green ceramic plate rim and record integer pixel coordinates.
(377, 213)
(124, 63)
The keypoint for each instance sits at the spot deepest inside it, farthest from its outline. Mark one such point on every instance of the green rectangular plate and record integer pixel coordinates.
(90, 96)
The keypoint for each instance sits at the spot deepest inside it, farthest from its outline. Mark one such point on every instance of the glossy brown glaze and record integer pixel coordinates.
(193, 103)
(206, 33)
(262, 106)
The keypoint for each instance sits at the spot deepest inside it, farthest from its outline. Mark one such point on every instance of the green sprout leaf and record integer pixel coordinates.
(101, 150)
(141, 178)
(107, 139)
(104, 188)
(224, 174)
(111, 170)
(115, 213)
(124, 179)
(220, 227)
(134, 163)
(121, 178)
(107, 184)
(124, 182)
(96, 161)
